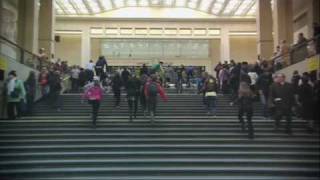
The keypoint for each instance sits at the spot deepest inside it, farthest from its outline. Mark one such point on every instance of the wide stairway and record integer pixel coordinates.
(183, 144)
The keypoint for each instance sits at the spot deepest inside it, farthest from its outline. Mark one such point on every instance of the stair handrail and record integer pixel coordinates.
(293, 53)
(32, 61)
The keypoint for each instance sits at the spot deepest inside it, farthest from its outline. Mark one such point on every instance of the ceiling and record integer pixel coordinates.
(220, 8)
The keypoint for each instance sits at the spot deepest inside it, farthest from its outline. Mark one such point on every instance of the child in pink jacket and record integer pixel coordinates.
(94, 95)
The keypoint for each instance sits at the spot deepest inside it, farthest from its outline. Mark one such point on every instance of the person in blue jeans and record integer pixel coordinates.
(210, 89)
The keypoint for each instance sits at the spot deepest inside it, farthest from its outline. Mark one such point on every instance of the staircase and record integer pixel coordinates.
(183, 144)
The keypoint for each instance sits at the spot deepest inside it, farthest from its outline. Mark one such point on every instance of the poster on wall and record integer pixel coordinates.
(313, 63)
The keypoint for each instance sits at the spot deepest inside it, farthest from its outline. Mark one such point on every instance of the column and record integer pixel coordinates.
(264, 28)
(46, 26)
(282, 21)
(225, 45)
(85, 47)
(1, 17)
(31, 25)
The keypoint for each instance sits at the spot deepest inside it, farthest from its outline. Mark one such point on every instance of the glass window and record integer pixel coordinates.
(151, 49)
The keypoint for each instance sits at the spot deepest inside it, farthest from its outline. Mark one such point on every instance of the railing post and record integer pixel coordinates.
(21, 56)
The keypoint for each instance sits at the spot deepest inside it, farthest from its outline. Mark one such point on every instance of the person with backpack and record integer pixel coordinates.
(30, 86)
(94, 95)
(210, 90)
(133, 92)
(15, 94)
(100, 65)
(245, 100)
(151, 90)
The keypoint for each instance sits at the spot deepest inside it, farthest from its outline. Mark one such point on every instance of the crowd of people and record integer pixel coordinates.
(245, 82)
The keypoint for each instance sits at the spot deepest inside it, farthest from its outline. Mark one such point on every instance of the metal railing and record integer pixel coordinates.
(17, 53)
(297, 53)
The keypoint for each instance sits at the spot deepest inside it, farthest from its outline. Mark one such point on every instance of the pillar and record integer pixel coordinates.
(85, 47)
(31, 25)
(264, 28)
(46, 26)
(28, 25)
(282, 21)
(225, 45)
(1, 17)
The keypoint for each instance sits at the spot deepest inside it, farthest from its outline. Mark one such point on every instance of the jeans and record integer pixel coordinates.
(74, 85)
(263, 100)
(211, 104)
(249, 113)
(117, 94)
(95, 108)
(12, 108)
(133, 106)
(55, 99)
(143, 101)
(179, 86)
(152, 103)
(30, 102)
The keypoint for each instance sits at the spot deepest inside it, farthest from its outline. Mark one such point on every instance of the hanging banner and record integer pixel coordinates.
(3, 64)
(3, 68)
(313, 63)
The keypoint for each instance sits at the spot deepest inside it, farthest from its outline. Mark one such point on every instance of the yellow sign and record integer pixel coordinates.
(314, 63)
(3, 64)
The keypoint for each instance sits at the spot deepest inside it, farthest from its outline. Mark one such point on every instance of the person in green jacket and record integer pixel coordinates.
(15, 94)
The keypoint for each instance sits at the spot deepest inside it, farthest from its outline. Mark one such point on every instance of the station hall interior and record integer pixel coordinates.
(201, 35)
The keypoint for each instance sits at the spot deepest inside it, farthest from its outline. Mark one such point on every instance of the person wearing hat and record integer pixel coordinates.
(15, 94)
(94, 95)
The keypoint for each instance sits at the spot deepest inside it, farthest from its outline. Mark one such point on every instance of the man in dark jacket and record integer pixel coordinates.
(144, 70)
(282, 98)
(125, 76)
(55, 90)
(133, 92)
(101, 63)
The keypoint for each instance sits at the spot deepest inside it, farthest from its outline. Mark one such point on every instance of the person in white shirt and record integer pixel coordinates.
(253, 77)
(90, 65)
(75, 71)
(90, 70)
